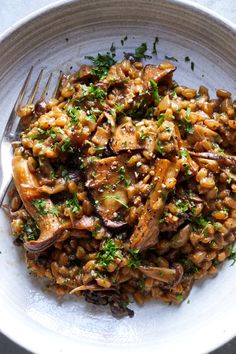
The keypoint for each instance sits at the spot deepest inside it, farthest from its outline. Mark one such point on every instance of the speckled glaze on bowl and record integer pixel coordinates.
(59, 37)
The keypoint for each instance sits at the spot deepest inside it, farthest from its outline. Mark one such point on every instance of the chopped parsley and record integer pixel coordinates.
(140, 52)
(123, 40)
(161, 119)
(232, 255)
(96, 92)
(74, 114)
(122, 175)
(113, 50)
(199, 222)
(188, 123)
(159, 147)
(66, 146)
(102, 63)
(143, 137)
(31, 230)
(154, 46)
(134, 260)
(170, 58)
(40, 206)
(187, 59)
(108, 253)
(184, 153)
(179, 297)
(192, 65)
(73, 204)
(97, 228)
(154, 91)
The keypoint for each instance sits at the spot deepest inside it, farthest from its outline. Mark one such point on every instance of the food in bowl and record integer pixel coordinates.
(125, 184)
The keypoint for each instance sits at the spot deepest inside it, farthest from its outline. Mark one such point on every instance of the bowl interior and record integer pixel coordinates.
(58, 39)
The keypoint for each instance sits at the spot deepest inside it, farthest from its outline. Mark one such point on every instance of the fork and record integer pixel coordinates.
(13, 127)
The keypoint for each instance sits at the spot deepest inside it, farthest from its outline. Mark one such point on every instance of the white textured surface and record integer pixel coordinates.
(13, 10)
(209, 319)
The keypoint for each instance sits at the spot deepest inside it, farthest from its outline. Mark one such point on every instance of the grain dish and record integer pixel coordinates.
(125, 184)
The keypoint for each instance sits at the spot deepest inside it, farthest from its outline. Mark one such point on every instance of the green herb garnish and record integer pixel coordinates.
(140, 52)
(159, 147)
(170, 58)
(179, 297)
(123, 40)
(114, 197)
(74, 114)
(154, 91)
(161, 119)
(66, 146)
(40, 206)
(188, 123)
(154, 46)
(102, 63)
(108, 253)
(134, 260)
(184, 153)
(73, 204)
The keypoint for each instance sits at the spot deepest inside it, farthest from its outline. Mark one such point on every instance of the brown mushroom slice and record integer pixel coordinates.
(28, 189)
(146, 232)
(181, 237)
(223, 159)
(125, 138)
(107, 180)
(85, 72)
(147, 133)
(200, 133)
(156, 73)
(86, 223)
(105, 127)
(165, 275)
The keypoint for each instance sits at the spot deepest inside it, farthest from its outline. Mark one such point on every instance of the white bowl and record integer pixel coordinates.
(59, 37)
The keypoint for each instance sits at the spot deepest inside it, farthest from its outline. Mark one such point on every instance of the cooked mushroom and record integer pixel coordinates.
(107, 181)
(146, 232)
(125, 138)
(28, 189)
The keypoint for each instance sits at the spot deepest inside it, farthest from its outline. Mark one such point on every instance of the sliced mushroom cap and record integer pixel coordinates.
(226, 160)
(146, 232)
(28, 189)
(165, 275)
(170, 276)
(179, 239)
(125, 138)
(157, 73)
(107, 182)
(201, 133)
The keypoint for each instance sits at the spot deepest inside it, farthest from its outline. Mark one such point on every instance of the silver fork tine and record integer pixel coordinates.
(18, 102)
(55, 92)
(45, 90)
(13, 127)
(35, 88)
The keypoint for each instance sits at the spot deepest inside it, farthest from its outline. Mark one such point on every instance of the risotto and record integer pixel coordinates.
(125, 184)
